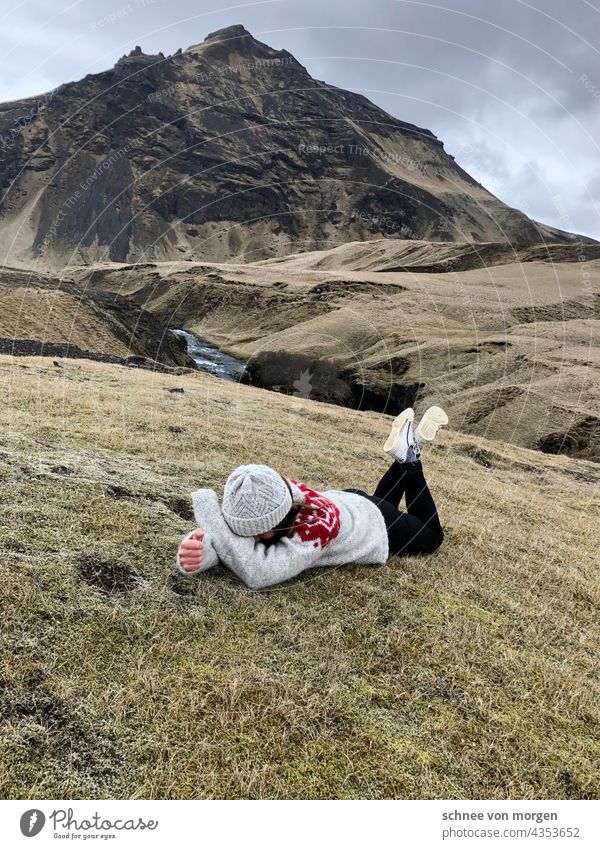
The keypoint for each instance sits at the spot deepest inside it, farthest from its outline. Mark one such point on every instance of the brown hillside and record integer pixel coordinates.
(42, 314)
(510, 349)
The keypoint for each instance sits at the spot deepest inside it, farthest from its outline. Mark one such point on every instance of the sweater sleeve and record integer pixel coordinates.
(209, 558)
(260, 566)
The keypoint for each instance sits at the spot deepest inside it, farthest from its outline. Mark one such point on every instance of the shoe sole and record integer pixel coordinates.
(433, 419)
(397, 425)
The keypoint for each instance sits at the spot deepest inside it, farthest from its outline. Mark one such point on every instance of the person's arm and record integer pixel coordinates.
(205, 506)
(260, 566)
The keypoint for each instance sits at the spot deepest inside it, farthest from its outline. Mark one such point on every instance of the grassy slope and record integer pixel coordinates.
(471, 673)
(35, 306)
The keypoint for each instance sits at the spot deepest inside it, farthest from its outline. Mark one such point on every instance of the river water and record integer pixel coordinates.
(210, 359)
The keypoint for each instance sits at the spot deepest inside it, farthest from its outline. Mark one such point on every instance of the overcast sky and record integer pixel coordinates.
(511, 88)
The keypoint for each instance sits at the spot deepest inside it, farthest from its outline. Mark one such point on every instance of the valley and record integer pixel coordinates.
(509, 349)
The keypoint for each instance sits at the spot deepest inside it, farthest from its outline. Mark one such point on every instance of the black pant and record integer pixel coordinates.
(418, 531)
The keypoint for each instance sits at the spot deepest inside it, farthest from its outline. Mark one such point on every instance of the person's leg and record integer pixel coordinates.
(406, 533)
(419, 501)
(418, 530)
(391, 485)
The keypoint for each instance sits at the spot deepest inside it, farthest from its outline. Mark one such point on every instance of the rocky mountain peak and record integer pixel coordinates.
(225, 33)
(231, 40)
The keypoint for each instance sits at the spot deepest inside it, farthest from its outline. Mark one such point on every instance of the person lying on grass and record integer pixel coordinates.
(270, 528)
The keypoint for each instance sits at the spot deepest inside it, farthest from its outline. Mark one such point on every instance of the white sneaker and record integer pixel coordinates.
(433, 419)
(401, 443)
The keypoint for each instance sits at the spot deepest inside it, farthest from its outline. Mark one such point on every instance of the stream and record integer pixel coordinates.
(210, 359)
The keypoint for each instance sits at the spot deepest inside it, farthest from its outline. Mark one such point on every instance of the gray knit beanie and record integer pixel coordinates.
(255, 499)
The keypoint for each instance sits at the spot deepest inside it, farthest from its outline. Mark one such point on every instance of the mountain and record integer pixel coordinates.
(227, 149)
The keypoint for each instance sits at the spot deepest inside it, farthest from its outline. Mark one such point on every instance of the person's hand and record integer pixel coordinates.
(191, 552)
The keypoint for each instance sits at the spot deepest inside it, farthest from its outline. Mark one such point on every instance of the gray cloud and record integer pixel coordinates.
(513, 89)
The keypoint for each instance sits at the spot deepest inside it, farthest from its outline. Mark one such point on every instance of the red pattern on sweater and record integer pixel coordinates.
(318, 520)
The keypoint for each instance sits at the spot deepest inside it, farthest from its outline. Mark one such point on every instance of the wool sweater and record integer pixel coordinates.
(332, 528)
